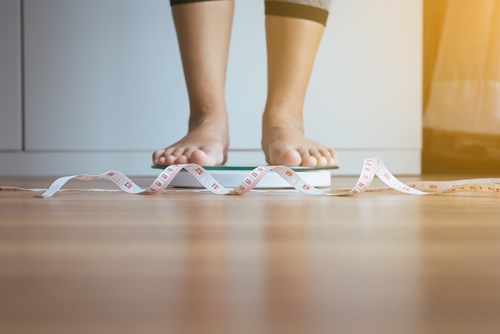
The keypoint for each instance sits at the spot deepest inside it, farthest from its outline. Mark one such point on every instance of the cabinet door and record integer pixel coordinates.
(102, 75)
(10, 75)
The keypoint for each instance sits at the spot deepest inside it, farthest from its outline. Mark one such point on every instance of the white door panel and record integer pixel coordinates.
(10, 75)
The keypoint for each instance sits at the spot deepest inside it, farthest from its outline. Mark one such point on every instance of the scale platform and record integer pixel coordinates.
(232, 176)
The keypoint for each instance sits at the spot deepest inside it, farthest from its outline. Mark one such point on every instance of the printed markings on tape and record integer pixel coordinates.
(371, 168)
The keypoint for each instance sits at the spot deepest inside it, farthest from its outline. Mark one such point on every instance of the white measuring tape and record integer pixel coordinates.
(371, 168)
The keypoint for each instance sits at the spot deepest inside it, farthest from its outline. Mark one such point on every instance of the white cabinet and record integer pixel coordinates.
(10, 75)
(102, 75)
(103, 78)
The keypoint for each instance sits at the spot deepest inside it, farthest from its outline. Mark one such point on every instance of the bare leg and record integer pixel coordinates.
(291, 49)
(203, 31)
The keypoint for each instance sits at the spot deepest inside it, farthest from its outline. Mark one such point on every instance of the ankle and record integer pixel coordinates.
(279, 118)
(284, 106)
(207, 111)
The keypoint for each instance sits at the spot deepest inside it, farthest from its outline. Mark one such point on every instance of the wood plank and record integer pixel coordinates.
(190, 262)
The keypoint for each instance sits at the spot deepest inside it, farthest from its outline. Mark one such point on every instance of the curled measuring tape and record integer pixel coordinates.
(371, 168)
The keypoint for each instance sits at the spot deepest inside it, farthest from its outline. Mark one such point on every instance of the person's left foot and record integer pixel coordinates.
(284, 143)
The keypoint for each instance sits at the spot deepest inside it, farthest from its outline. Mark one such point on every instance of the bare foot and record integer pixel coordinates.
(205, 144)
(284, 143)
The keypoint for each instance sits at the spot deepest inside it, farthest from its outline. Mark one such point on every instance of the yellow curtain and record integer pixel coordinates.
(465, 89)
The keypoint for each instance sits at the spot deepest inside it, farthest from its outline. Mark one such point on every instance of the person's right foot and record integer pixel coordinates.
(284, 143)
(205, 144)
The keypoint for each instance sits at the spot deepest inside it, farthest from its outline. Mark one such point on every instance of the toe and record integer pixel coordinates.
(160, 161)
(157, 159)
(169, 151)
(313, 152)
(319, 154)
(325, 153)
(157, 155)
(181, 160)
(334, 160)
(307, 159)
(169, 160)
(200, 157)
(290, 158)
(178, 152)
(282, 155)
(322, 161)
(189, 151)
(216, 153)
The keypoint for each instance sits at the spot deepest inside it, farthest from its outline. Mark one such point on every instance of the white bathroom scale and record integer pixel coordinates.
(232, 176)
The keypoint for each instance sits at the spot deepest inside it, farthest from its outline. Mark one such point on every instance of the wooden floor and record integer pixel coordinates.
(281, 262)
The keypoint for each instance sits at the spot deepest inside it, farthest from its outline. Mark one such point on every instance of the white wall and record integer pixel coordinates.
(366, 88)
(101, 75)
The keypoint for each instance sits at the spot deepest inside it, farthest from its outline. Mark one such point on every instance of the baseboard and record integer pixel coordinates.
(137, 163)
(460, 153)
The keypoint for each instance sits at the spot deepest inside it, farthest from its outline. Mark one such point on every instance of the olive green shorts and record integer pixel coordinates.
(314, 10)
